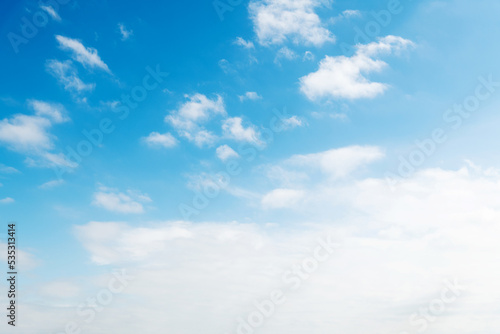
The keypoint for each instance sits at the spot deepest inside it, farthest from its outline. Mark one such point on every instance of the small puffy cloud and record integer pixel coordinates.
(7, 200)
(51, 11)
(249, 96)
(348, 13)
(291, 122)
(156, 139)
(51, 184)
(277, 21)
(284, 53)
(282, 198)
(67, 75)
(188, 119)
(54, 111)
(234, 129)
(224, 152)
(86, 56)
(344, 77)
(340, 162)
(115, 201)
(308, 56)
(124, 32)
(243, 43)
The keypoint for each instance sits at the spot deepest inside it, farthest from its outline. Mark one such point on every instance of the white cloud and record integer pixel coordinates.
(348, 13)
(163, 140)
(124, 32)
(115, 201)
(243, 43)
(282, 198)
(308, 55)
(7, 200)
(67, 75)
(60, 289)
(54, 111)
(249, 96)
(234, 129)
(188, 119)
(284, 53)
(344, 77)
(51, 12)
(84, 55)
(51, 184)
(7, 169)
(224, 152)
(291, 122)
(396, 248)
(26, 133)
(277, 21)
(29, 134)
(340, 162)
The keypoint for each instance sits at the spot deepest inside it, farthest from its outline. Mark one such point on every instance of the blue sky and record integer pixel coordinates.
(351, 86)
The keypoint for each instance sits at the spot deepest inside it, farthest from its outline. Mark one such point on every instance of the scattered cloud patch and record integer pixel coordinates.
(124, 32)
(86, 56)
(8, 170)
(243, 43)
(282, 198)
(115, 201)
(51, 184)
(51, 11)
(54, 111)
(344, 77)
(165, 140)
(340, 162)
(225, 152)
(308, 56)
(234, 129)
(284, 53)
(250, 96)
(7, 200)
(279, 21)
(188, 119)
(67, 75)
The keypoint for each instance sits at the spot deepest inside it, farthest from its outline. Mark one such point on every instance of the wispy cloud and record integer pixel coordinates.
(51, 11)
(51, 184)
(67, 75)
(243, 43)
(124, 32)
(7, 200)
(86, 56)
(116, 201)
